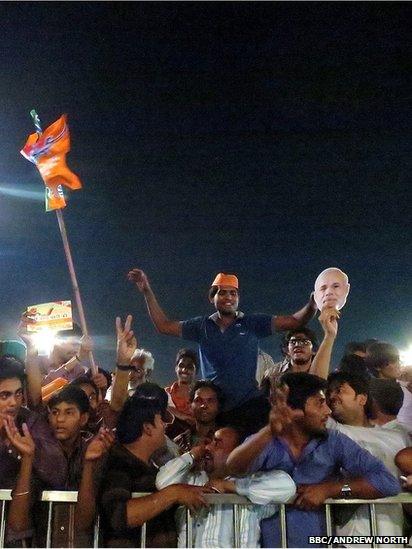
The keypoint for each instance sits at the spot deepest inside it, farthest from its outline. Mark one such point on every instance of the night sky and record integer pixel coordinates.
(268, 139)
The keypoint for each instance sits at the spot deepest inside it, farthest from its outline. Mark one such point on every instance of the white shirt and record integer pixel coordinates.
(405, 413)
(213, 527)
(383, 442)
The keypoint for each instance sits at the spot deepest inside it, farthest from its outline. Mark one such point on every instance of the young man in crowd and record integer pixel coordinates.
(387, 399)
(140, 432)
(206, 402)
(206, 464)
(68, 414)
(297, 441)
(68, 417)
(179, 391)
(352, 409)
(383, 362)
(299, 349)
(228, 344)
(49, 464)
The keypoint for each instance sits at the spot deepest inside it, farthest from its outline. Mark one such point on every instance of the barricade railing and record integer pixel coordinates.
(70, 497)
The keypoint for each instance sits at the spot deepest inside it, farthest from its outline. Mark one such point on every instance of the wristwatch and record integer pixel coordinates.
(346, 491)
(124, 368)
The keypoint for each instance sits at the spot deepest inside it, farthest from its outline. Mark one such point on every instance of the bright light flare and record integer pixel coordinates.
(44, 341)
(22, 193)
(406, 356)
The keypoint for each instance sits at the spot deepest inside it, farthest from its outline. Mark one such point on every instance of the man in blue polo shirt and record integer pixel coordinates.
(228, 344)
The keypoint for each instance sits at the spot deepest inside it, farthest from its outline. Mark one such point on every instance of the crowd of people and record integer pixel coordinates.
(299, 430)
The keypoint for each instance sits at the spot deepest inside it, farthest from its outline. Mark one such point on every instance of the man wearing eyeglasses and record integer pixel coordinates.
(299, 348)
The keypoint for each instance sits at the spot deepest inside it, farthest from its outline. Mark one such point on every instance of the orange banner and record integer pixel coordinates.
(48, 151)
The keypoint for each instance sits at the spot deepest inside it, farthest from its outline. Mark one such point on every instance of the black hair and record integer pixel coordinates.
(353, 346)
(353, 364)
(207, 383)
(359, 383)
(152, 390)
(71, 395)
(310, 334)
(301, 387)
(11, 367)
(84, 380)
(135, 413)
(240, 435)
(379, 355)
(387, 395)
(213, 291)
(189, 353)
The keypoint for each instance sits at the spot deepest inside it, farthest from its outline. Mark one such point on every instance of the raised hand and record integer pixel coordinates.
(22, 331)
(99, 445)
(126, 341)
(329, 320)
(281, 415)
(100, 381)
(138, 277)
(24, 443)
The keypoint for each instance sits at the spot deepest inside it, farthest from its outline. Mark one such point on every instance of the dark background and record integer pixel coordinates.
(269, 139)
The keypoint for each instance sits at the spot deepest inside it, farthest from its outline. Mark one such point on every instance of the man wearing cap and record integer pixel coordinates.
(228, 344)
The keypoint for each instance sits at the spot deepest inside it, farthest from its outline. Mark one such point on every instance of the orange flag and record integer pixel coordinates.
(48, 151)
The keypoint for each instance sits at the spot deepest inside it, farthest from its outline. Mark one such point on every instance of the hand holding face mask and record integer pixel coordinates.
(331, 289)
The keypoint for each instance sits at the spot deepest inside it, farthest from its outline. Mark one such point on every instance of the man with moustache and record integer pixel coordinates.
(297, 441)
(228, 344)
(206, 464)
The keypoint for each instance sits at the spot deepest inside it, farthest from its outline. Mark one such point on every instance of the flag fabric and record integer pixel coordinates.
(48, 151)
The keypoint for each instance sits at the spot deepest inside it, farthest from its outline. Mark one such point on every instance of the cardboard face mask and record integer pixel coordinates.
(331, 289)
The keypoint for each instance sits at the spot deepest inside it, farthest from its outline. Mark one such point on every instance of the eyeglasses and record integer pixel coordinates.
(299, 342)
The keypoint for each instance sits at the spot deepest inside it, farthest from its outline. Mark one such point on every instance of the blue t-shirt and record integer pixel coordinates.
(321, 460)
(229, 358)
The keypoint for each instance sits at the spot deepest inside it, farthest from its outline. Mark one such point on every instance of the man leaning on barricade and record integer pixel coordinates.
(297, 441)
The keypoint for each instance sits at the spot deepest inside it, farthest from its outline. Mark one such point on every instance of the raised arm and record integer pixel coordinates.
(126, 346)
(295, 320)
(86, 500)
(321, 362)
(34, 376)
(280, 417)
(161, 322)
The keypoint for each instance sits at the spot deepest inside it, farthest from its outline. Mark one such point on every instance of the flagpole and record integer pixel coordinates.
(70, 264)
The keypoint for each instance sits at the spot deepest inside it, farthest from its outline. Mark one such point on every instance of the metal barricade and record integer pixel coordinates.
(237, 502)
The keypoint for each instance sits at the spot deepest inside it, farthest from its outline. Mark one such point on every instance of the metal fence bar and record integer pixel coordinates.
(283, 526)
(143, 536)
(49, 524)
(373, 523)
(236, 526)
(52, 497)
(189, 528)
(96, 533)
(3, 523)
(328, 517)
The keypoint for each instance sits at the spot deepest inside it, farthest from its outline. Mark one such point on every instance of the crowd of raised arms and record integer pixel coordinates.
(296, 430)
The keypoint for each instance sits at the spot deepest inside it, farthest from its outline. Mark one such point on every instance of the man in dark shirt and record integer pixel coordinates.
(49, 464)
(228, 344)
(128, 469)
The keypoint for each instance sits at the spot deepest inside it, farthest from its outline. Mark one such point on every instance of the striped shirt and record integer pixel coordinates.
(213, 526)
